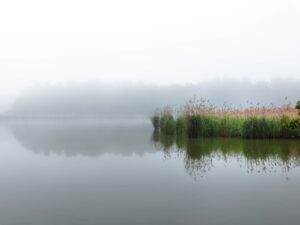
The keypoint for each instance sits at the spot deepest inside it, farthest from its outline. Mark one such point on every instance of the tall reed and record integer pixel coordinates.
(167, 123)
(155, 119)
(200, 118)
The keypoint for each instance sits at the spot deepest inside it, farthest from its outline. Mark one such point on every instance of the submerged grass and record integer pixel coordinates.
(203, 120)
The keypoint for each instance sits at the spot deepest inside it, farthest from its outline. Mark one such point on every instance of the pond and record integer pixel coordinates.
(117, 171)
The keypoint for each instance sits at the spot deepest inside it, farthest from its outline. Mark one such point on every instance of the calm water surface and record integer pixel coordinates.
(98, 172)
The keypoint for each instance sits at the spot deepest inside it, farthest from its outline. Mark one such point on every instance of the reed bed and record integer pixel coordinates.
(200, 118)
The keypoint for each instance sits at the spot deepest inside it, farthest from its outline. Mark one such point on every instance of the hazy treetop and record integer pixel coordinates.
(145, 98)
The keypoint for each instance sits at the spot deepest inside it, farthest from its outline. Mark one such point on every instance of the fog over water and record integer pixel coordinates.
(90, 138)
(80, 79)
(130, 98)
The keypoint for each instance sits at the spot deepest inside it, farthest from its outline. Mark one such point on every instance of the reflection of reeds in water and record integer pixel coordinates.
(199, 118)
(261, 156)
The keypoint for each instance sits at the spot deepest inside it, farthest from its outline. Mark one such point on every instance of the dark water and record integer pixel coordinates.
(97, 172)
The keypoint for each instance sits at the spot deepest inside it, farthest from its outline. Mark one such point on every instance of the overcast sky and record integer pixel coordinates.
(158, 41)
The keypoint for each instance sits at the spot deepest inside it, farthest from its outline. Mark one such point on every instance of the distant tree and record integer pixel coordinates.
(294, 124)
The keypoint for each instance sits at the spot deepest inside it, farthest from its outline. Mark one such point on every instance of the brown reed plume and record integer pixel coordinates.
(202, 106)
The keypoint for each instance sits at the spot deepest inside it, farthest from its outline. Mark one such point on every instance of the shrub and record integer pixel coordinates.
(295, 123)
(201, 126)
(286, 131)
(181, 126)
(167, 124)
(254, 127)
(230, 127)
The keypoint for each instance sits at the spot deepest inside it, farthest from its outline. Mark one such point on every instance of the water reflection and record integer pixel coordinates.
(83, 137)
(200, 155)
(93, 138)
(90, 190)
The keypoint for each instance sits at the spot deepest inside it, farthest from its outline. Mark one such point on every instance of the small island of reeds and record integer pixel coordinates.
(199, 118)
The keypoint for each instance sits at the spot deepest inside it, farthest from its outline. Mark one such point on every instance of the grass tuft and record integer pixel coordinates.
(203, 120)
